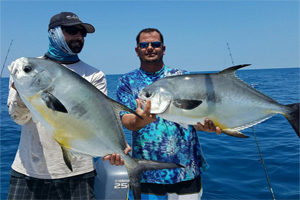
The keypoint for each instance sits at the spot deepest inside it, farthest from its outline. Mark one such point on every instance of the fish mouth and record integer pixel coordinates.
(14, 72)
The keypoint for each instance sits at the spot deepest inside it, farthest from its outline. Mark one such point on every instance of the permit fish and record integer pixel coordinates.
(80, 117)
(221, 97)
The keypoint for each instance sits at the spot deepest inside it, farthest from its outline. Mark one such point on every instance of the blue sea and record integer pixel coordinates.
(236, 170)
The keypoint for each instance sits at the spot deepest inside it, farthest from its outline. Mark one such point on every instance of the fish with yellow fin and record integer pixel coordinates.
(221, 97)
(80, 117)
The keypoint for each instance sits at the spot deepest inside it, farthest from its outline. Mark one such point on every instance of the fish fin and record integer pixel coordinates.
(231, 73)
(117, 108)
(120, 107)
(234, 133)
(233, 69)
(143, 165)
(186, 104)
(293, 116)
(52, 102)
(67, 157)
(123, 140)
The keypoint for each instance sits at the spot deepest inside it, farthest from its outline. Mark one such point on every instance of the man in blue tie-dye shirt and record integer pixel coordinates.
(154, 138)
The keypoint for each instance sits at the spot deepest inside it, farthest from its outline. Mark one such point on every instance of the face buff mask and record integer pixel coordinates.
(58, 48)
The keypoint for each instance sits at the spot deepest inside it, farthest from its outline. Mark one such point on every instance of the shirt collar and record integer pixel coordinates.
(158, 73)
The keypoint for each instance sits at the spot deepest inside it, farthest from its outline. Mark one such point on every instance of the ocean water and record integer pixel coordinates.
(236, 170)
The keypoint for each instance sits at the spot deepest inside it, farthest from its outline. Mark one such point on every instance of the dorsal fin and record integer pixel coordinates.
(233, 69)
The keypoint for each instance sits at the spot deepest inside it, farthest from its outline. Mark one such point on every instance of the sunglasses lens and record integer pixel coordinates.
(74, 31)
(83, 33)
(144, 45)
(71, 31)
(155, 44)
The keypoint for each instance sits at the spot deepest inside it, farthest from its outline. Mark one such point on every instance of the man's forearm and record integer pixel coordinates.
(131, 122)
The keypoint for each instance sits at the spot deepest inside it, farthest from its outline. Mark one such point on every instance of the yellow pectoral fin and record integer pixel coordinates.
(62, 139)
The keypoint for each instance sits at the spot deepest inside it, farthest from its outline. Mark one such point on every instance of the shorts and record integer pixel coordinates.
(191, 190)
(75, 187)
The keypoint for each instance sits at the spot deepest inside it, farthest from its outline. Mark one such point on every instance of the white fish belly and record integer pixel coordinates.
(74, 132)
(232, 114)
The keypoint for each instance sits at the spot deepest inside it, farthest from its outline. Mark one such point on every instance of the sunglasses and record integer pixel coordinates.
(155, 44)
(71, 30)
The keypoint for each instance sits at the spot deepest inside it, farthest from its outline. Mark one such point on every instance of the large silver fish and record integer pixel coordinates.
(81, 118)
(222, 97)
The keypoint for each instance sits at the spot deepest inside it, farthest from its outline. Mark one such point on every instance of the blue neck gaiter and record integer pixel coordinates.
(58, 48)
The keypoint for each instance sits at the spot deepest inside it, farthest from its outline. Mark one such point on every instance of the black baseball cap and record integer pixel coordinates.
(69, 19)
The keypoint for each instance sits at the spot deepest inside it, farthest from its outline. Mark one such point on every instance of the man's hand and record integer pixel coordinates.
(115, 159)
(134, 123)
(13, 86)
(145, 114)
(208, 127)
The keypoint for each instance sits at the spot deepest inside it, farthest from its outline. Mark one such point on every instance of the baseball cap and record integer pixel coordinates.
(69, 19)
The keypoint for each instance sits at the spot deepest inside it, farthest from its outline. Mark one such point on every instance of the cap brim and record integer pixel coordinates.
(88, 27)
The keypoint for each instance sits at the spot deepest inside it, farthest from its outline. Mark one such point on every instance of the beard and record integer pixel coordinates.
(75, 45)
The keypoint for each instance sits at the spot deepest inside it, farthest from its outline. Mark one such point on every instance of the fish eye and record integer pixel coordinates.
(27, 68)
(148, 94)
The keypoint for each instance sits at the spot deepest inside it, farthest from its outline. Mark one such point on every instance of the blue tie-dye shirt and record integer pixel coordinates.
(161, 140)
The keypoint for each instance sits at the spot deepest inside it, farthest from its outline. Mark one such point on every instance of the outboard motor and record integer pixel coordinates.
(111, 182)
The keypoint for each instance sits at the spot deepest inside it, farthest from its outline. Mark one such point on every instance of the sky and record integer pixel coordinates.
(197, 34)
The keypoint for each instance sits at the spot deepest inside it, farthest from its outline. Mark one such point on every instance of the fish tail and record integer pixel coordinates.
(293, 116)
(141, 166)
